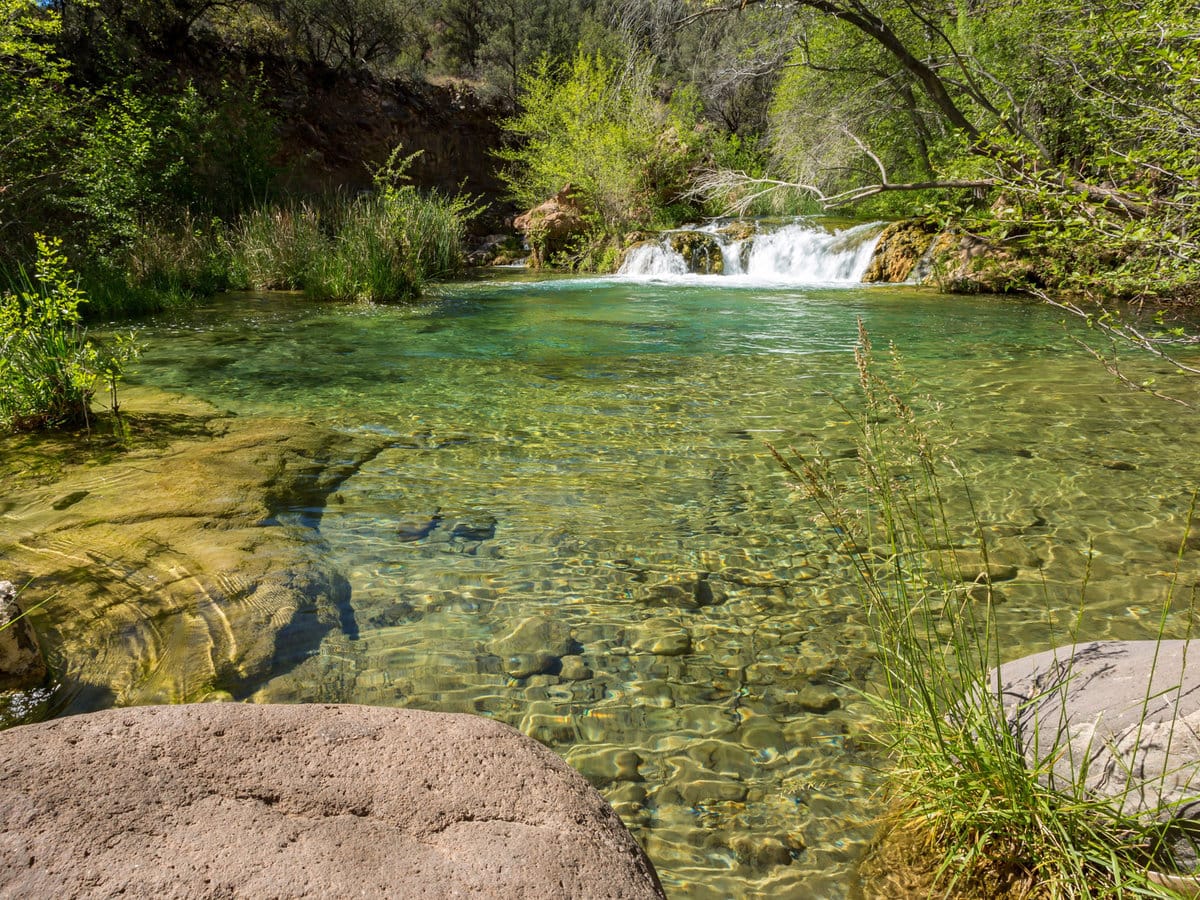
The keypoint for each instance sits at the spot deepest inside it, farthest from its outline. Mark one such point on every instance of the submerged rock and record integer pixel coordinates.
(475, 528)
(200, 585)
(228, 799)
(662, 637)
(534, 645)
(1115, 719)
(21, 663)
(685, 591)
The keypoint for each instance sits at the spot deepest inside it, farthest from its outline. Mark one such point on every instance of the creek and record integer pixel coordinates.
(576, 526)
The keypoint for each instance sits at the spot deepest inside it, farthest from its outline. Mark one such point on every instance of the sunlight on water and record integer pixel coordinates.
(578, 528)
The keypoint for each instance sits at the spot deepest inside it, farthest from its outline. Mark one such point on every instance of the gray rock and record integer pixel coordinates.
(1122, 718)
(21, 663)
(230, 799)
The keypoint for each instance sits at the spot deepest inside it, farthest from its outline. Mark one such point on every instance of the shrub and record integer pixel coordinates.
(48, 368)
(626, 154)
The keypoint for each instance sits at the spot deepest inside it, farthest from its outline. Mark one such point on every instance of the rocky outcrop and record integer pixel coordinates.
(222, 800)
(552, 227)
(901, 246)
(967, 264)
(200, 585)
(701, 252)
(957, 263)
(21, 663)
(1119, 720)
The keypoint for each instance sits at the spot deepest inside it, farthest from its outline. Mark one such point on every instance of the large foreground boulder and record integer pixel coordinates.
(224, 800)
(1118, 720)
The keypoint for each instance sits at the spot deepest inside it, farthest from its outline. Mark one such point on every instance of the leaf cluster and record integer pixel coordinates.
(48, 367)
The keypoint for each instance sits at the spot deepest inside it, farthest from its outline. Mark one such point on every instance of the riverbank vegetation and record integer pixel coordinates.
(969, 814)
(1062, 135)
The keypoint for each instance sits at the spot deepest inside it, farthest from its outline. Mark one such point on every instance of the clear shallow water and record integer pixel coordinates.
(579, 529)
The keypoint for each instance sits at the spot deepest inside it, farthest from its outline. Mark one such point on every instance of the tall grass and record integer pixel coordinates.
(385, 245)
(278, 247)
(388, 246)
(378, 247)
(972, 811)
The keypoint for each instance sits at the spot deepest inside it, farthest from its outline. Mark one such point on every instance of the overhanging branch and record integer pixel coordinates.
(749, 189)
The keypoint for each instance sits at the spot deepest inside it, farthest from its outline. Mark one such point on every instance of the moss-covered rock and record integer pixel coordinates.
(200, 585)
(700, 250)
(901, 246)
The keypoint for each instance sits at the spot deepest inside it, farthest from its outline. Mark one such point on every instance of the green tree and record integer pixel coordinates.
(37, 113)
(601, 129)
(348, 34)
(1077, 116)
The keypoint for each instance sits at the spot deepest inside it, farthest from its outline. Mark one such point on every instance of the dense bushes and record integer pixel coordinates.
(627, 155)
(49, 370)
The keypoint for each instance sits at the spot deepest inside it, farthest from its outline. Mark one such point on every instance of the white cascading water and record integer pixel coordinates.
(798, 253)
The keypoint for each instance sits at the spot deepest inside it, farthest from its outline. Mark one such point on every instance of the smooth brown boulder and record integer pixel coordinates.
(223, 800)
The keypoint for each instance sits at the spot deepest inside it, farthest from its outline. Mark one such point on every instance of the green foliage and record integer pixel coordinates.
(348, 34)
(600, 129)
(387, 246)
(145, 157)
(1065, 130)
(493, 41)
(35, 116)
(48, 368)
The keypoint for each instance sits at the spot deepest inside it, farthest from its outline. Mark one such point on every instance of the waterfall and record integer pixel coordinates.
(795, 253)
